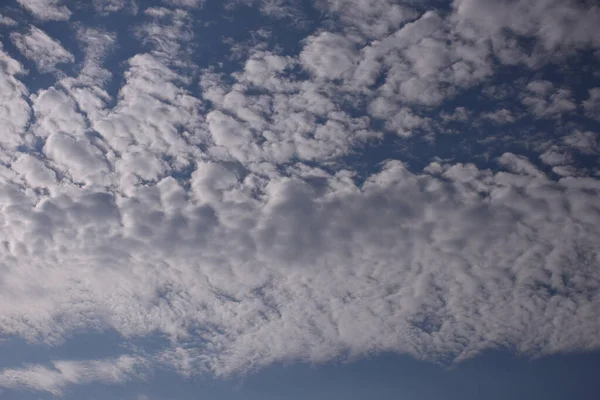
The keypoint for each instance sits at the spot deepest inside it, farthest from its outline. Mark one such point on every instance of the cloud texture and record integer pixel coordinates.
(267, 207)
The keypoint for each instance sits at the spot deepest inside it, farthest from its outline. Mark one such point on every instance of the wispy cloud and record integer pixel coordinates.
(52, 10)
(60, 374)
(40, 48)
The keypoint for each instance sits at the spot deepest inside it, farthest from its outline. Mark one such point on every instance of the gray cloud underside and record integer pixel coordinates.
(155, 214)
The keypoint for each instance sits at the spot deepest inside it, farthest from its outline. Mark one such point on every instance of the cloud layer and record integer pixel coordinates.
(267, 207)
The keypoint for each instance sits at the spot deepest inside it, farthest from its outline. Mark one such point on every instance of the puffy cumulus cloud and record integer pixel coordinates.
(329, 55)
(63, 373)
(40, 48)
(78, 158)
(33, 170)
(47, 10)
(55, 112)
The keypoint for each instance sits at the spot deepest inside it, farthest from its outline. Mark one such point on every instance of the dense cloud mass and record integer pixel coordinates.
(420, 178)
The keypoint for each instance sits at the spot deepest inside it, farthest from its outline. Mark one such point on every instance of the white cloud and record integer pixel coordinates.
(79, 158)
(585, 142)
(592, 104)
(329, 55)
(34, 171)
(170, 29)
(215, 208)
(55, 378)
(546, 101)
(88, 89)
(7, 21)
(555, 157)
(14, 112)
(47, 10)
(184, 3)
(459, 114)
(500, 116)
(310, 266)
(423, 62)
(279, 9)
(55, 111)
(108, 6)
(374, 18)
(558, 28)
(40, 48)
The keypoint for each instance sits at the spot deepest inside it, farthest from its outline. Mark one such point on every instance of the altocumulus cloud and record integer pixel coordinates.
(216, 204)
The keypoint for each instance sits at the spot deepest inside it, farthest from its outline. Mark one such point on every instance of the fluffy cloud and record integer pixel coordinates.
(328, 55)
(316, 266)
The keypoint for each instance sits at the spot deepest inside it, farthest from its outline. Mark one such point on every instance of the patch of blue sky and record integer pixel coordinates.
(495, 375)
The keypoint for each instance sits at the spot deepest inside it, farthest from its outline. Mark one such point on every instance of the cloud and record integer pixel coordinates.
(555, 157)
(47, 10)
(585, 142)
(15, 111)
(559, 28)
(60, 374)
(105, 7)
(328, 55)
(501, 116)
(374, 18)
(316, 266)
(278, 9)
(34, 171)
(248, 212)
(7, 21)
(40, 48)
(592, 104)
(546, 101)
(56, 112)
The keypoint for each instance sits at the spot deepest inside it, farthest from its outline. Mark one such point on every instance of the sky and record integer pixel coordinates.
(303, 199)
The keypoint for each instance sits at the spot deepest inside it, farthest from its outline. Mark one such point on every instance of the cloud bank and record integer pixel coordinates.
(267, 207)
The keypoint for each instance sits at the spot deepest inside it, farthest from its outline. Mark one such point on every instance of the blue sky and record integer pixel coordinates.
(256, 199)
(495, 375)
